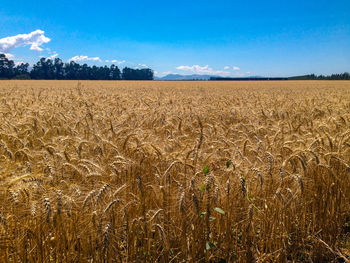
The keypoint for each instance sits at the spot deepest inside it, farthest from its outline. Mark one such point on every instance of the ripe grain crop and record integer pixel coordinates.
(174, 171)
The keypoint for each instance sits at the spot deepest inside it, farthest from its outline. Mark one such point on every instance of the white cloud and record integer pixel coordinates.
(53, 56)
(236, 68)
(165, 73)
(143, 65)
(19, 63)
(118, 62)
(35, 39)
(226, 68)
(9, 56)
(203, 70)
(115, 61)
(84, 58)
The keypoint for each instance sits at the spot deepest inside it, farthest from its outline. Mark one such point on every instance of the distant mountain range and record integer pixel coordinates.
(191, 77)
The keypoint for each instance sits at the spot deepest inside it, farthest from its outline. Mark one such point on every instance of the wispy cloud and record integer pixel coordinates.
(19, 63)
(53, 56)
(119, 62)
(202, 70)
(9, 56)
(84, 58)
(165, 73)
(236, 68)
(35, 39)
(143, 65)
(226, 68)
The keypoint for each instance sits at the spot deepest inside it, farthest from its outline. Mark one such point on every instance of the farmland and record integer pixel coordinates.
(95, 171)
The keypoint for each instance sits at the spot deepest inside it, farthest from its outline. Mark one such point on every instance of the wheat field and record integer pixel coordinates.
(95, 171)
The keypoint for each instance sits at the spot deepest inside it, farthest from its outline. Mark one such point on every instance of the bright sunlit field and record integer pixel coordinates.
(95, 171)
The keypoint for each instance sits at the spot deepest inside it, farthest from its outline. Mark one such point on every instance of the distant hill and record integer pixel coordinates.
(253, 78)
(196, 77)
(185, 77)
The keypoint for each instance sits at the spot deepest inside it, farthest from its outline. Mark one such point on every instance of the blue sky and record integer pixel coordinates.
(231, 38)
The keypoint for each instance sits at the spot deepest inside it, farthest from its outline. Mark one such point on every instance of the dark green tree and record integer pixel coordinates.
(137, 74)
(114, 73)
(58, 69)
(21, 71)
(6, 67)
(72, 70)
(43, 69)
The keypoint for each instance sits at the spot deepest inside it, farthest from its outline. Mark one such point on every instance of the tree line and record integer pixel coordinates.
(342, 76)
(57, 69)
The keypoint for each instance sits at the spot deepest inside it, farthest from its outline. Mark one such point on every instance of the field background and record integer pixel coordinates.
(127, 171)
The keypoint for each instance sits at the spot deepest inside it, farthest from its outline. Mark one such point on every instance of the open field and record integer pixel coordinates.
(174, 171)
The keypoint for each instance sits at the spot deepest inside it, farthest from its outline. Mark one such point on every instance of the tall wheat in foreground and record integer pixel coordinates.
(174, 171)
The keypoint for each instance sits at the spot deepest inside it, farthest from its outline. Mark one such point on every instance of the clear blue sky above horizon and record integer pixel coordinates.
(230, 38)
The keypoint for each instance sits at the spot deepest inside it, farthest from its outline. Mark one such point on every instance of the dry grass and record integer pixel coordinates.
(174, 171)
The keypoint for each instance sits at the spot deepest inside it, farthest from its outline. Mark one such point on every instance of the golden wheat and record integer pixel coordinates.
(97, 171)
